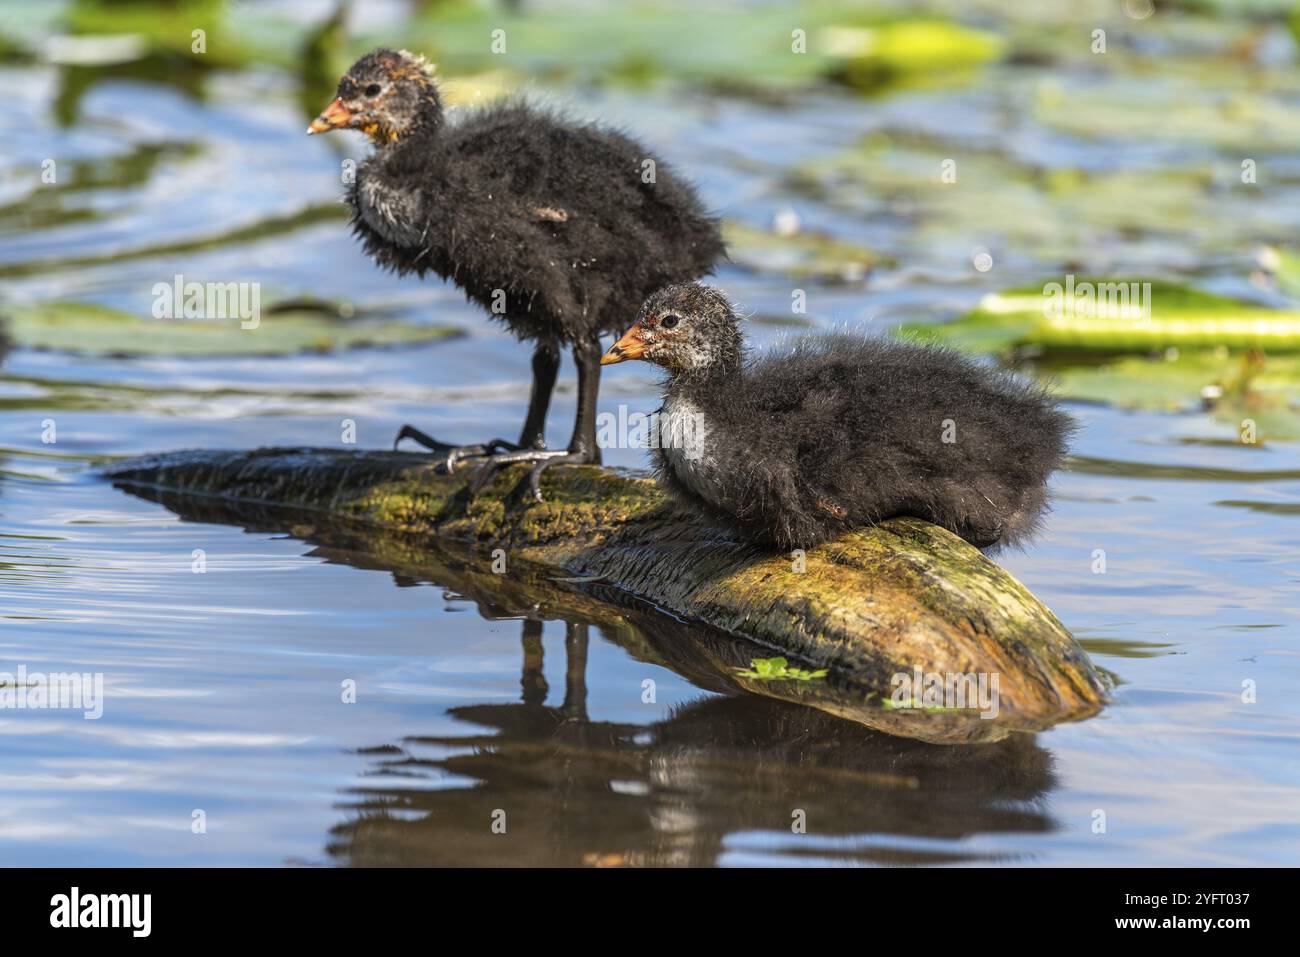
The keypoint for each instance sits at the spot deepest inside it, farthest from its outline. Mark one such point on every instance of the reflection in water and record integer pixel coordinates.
(577, 791)
(186, 74)
(581, 792)
(1118, 468)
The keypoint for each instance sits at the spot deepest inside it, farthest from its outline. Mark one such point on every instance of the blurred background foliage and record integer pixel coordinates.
(1101, 138)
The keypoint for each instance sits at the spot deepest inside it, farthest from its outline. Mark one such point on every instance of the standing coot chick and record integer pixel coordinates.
(841, 431)
(560, 229)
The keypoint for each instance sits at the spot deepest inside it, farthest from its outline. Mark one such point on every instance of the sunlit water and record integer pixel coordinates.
(224, 690)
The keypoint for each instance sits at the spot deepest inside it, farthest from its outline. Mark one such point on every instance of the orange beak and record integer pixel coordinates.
(631, 346)
(333, 117)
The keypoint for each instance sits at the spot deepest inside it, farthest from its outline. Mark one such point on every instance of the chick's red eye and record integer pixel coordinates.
(372, 89)
(669, 321)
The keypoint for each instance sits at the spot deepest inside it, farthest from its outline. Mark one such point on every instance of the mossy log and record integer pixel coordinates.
(873, 604)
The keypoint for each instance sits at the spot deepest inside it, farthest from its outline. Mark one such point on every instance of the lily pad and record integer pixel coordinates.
(163, 29)
(1115, 316)
(29, 392)
(762, 50)
(1258, 397)
(954, 197)
(94, 329)
(1190, 350)
(876, 56)
(1121, 107)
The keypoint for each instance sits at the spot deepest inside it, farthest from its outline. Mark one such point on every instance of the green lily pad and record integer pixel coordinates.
(1122, 106)
(36, 393)
(802, 255)
(1190, 351)
(166, 29)
(879, 55)
(1258, 397)
(1115, 316)
(955, 198)
(89, 328)
(758, 51)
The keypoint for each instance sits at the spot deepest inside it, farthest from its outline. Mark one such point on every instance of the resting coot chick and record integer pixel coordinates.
(841, 431)
(560, 229)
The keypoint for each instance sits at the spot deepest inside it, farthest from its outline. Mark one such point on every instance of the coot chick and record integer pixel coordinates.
(841, 431)
(561, 229)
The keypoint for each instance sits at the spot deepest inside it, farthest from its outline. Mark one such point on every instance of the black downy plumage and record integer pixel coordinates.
(560, 229)
(841, 431)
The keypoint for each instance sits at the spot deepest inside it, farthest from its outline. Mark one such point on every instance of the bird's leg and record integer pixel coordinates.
(583, 443)
(582, 448)
(546, 363)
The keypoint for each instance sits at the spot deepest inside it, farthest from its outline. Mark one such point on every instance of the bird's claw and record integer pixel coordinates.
(542, 459)
(463, 452)
(491, 456)
(535, 476)
(454, 454)
(420, 438)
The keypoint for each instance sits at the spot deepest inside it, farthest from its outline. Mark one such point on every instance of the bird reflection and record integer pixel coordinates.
(730, 774)
(722, 774)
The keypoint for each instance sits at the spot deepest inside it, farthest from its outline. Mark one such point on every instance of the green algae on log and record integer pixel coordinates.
(871, 605)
